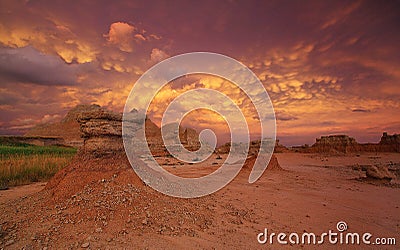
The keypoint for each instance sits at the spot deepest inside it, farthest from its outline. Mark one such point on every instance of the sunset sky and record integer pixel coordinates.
(329, 67)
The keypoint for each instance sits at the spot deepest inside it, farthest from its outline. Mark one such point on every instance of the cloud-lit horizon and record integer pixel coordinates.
(329, 67)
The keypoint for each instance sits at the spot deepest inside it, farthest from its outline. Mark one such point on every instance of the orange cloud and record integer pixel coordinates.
(158, 55)
(124, 36)
(201, 119)
(75, 51)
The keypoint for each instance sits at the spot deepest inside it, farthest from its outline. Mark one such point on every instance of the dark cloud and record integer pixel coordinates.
(7, 99)
(282, 116)
(99, 92)
(360, 110)
(27, 65)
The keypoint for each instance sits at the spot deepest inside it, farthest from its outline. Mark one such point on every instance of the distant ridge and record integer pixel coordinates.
(340, 144)
(68, 128)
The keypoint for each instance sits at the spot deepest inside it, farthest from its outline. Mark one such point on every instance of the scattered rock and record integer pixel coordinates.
(85, 245)
(379, 172)
(9, 242)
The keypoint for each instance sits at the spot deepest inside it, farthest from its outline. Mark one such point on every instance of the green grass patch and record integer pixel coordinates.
(24, 164)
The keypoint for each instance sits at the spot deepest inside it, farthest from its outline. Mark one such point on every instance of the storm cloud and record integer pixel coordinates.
(27, 65)
(320, 61)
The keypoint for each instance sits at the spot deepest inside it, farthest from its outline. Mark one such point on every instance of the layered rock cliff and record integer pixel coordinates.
(345, 144)
(101, 130)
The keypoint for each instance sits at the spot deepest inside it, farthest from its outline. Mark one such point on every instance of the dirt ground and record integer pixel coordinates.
(312, 194)
(20, 191)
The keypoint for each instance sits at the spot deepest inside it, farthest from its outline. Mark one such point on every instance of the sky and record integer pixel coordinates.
(329, 67)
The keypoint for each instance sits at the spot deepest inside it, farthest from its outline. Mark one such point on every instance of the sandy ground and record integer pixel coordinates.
(312, 194)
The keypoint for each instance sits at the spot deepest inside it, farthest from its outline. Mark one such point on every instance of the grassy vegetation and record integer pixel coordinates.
(23, 164)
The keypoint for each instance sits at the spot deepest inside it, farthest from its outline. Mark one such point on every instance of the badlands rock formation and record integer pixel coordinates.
(253, 148)
(273, 164)
(67, 130)
(188, 137)
(390, 143)
(102, 133)
(102, 154)
(339, 144)
(335, 143)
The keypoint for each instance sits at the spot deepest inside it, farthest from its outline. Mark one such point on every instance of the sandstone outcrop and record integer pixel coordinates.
(253, 148)
(101, 130)
(188, 137)
(379, 172)
(335, 143)
(279, 148)
(343, 144)
(390, 143)
(273, 164)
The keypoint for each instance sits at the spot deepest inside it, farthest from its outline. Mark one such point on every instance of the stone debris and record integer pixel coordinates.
(85, 245)
(379, 172)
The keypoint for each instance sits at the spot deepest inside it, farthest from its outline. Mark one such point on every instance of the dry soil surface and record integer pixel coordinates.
(312, 194)
(20, 191)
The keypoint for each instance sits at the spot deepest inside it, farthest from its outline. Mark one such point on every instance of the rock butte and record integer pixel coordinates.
(102, 153)
(342, 144)
(102, 133)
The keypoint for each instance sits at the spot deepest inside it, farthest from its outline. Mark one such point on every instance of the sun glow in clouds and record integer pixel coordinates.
(148, 87)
